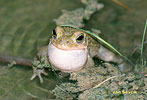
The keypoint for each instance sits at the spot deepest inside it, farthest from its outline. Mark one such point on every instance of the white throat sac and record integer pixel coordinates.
(67, 60)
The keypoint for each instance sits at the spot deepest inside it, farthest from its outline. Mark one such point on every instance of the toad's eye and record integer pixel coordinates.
(54, 34)
(80, 38)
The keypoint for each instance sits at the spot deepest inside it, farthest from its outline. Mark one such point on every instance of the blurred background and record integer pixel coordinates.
(26, 25)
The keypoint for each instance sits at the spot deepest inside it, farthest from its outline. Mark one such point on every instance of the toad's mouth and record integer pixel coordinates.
(67, 60)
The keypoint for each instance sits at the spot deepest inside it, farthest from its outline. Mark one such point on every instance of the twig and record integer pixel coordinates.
(17, 60)
(107, 80)
(98, 85)
(121, 4)
(61, 89)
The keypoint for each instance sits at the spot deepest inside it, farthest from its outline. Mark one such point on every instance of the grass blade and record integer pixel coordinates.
(143, 37)
(101, 40)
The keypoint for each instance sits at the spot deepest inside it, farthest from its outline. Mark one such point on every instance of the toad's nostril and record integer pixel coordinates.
(67, 42)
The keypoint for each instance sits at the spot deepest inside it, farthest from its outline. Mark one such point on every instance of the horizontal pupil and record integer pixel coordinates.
(80, 38)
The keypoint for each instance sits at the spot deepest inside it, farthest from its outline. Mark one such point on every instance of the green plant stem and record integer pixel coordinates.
(143, 37)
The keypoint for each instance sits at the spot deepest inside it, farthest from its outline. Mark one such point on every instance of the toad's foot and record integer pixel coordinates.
(125, 67)
(38, 72)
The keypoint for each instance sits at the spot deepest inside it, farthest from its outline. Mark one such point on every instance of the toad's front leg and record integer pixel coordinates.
(40, 63)
(38, 72)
